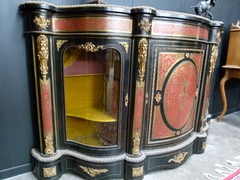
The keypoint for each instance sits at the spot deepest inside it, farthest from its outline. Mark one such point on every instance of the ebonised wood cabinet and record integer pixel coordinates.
(120, 91)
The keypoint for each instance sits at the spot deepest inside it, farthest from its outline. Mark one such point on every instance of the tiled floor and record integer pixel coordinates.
(222, 144)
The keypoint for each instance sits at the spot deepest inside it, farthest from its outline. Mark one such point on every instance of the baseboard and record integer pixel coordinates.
(229, 111)
(14, 171)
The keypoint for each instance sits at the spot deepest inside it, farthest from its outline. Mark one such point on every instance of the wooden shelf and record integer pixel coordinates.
(91, 113)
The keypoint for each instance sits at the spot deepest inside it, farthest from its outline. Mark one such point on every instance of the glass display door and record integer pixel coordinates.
(92, 88)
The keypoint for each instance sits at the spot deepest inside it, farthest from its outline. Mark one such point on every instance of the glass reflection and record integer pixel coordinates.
(92, 83)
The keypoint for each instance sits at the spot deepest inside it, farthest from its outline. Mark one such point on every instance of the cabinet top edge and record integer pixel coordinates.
(29, 5)
(65, 8)
(93, 7)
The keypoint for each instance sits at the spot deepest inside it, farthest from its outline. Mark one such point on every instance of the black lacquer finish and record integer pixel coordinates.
(154, 69)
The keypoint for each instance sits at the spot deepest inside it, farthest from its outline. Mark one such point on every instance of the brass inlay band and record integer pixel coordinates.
(42, 45)
(93, 172)
(125, 45)
(49, 150)
(49, 172)
(142, 58)
(90, 47)
(59, 43)
(42, 22)
(145, 25)
(136, 172)
(178, 158)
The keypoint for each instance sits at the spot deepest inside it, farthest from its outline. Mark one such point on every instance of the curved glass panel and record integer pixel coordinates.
(92, 87)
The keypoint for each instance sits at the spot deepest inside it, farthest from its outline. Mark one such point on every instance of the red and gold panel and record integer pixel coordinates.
(88, 24)
(139, 96)
(179, 94)
(181, 30)
(137, 120)
(176, 88)
(46, 107)
(47, 118)
(138, 112)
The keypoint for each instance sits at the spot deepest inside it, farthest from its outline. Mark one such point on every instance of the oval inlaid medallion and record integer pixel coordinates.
(179, 94)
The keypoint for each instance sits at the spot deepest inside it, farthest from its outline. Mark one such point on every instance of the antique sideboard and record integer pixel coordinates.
(232, 66)
(120, 91)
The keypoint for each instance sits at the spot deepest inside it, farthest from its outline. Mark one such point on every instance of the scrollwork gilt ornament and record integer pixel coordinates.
(218, 37)
(43, 54)
(49, 150)
(137, 172)
(158, 97)
(178, 158)
(42, 22)
(136, 145)
(213, 59)
(93, 172)
(49, 172)
(59, 43)
(90, 47)
(142, 58)
(145, 25)
(214, 52)
(125, 45)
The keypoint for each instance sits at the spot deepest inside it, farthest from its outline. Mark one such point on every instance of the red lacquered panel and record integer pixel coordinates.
(177, 79)
(46, 107)
(179, 94)
(104, 24)
(179, 30)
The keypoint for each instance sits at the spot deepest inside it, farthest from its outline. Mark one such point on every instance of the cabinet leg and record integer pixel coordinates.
(224, 99)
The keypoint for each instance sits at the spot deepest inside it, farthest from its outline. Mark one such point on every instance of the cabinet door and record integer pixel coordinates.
(94, 81)
(174, 83)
